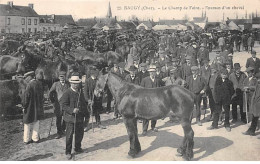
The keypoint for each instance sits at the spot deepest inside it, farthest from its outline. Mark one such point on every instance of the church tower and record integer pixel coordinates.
(109, 12)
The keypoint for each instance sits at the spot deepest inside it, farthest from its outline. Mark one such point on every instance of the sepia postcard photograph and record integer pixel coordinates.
(129, 80)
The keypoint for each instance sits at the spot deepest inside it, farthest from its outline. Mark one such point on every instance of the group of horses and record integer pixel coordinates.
(132, 101)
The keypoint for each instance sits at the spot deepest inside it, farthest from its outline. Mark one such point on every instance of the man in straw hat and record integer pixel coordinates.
(197, 85)
(150, 82)
(32, 103)
(57, 90)
(75, 109)
(237, 78)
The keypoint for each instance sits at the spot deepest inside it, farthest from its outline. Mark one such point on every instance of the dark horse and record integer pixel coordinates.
(135, 102)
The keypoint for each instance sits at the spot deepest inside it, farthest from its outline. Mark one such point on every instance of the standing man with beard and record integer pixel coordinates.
(75, 109)
(57, 90)
(253, 62)
(150, 82)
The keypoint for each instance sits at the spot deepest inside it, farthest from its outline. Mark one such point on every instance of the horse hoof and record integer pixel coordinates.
(180, 151)
(186, 158)
(132, 155)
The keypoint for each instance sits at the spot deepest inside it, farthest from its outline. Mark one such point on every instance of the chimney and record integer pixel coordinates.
(30, 5)
(53, 16)
(10, 3)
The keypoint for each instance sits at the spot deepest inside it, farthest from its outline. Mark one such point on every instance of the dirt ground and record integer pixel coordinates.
(112, 143)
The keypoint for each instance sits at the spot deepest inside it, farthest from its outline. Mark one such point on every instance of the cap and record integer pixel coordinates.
(194, 68)
(188, 58)
(143, 65)
(62, 73)
(94, 72)
(174, 60)
(250, 69)
(253, 52)
(224, 71)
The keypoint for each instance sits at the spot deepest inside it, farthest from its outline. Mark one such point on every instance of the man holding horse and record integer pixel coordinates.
(150, 82)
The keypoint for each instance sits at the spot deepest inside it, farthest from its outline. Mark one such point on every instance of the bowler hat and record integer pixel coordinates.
(253, 52)
(132, 68)
(237, 65)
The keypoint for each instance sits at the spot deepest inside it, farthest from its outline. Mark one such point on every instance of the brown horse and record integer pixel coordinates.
(135, 102)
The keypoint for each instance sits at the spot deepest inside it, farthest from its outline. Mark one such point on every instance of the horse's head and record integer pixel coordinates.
(101, 82)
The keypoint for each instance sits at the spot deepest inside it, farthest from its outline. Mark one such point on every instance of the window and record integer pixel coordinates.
(9, 30)
(23, 21)
(8, 21)
(2, 30)
(35, 30)
(35, 21)
(29, 30)
(29, 22)
(23, 30)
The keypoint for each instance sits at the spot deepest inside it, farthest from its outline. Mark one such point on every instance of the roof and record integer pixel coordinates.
(149, 24)
(239, 21)
(127, 25)
(171, 22)
(200, 19)
(63, 19)
(23, 11)
(256, 20)
(86, 22)
(109, 22)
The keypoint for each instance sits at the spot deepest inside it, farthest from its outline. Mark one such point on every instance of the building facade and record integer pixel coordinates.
(18, 19)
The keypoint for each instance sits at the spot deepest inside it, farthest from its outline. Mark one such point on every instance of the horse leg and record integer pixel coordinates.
(131, 126)
(187, 148)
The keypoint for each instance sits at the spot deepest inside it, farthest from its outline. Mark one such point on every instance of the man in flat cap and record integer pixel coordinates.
(253, 62)
(186, 68)
(196, 84)
(57, 90)
(203, 54)
(32, 103)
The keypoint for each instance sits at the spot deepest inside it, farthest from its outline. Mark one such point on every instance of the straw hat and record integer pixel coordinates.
(152, 68)
(75, 79)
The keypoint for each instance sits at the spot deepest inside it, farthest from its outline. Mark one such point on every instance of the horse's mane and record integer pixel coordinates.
(124, 81)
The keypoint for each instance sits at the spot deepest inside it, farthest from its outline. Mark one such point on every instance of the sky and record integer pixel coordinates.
(144, 9)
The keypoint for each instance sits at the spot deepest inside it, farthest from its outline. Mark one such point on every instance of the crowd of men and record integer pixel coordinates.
(219, 83)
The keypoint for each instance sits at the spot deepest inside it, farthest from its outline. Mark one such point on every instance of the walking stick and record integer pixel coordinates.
(74, 130)
(246, 106)
(91, 112)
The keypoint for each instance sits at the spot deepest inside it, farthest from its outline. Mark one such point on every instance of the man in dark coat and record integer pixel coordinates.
(150, 82)
(205, 72)
(253, 62)
(196, 84)
(254, 109)
(143, 71)
(92, 98)
(55, 94)
(186, 68)
(203, 54)
(222, 95)
(237, 78)
(32, 108)
(75, 109)
(132, 78)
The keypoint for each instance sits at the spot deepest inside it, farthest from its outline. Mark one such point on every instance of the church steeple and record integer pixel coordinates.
(109, 12)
